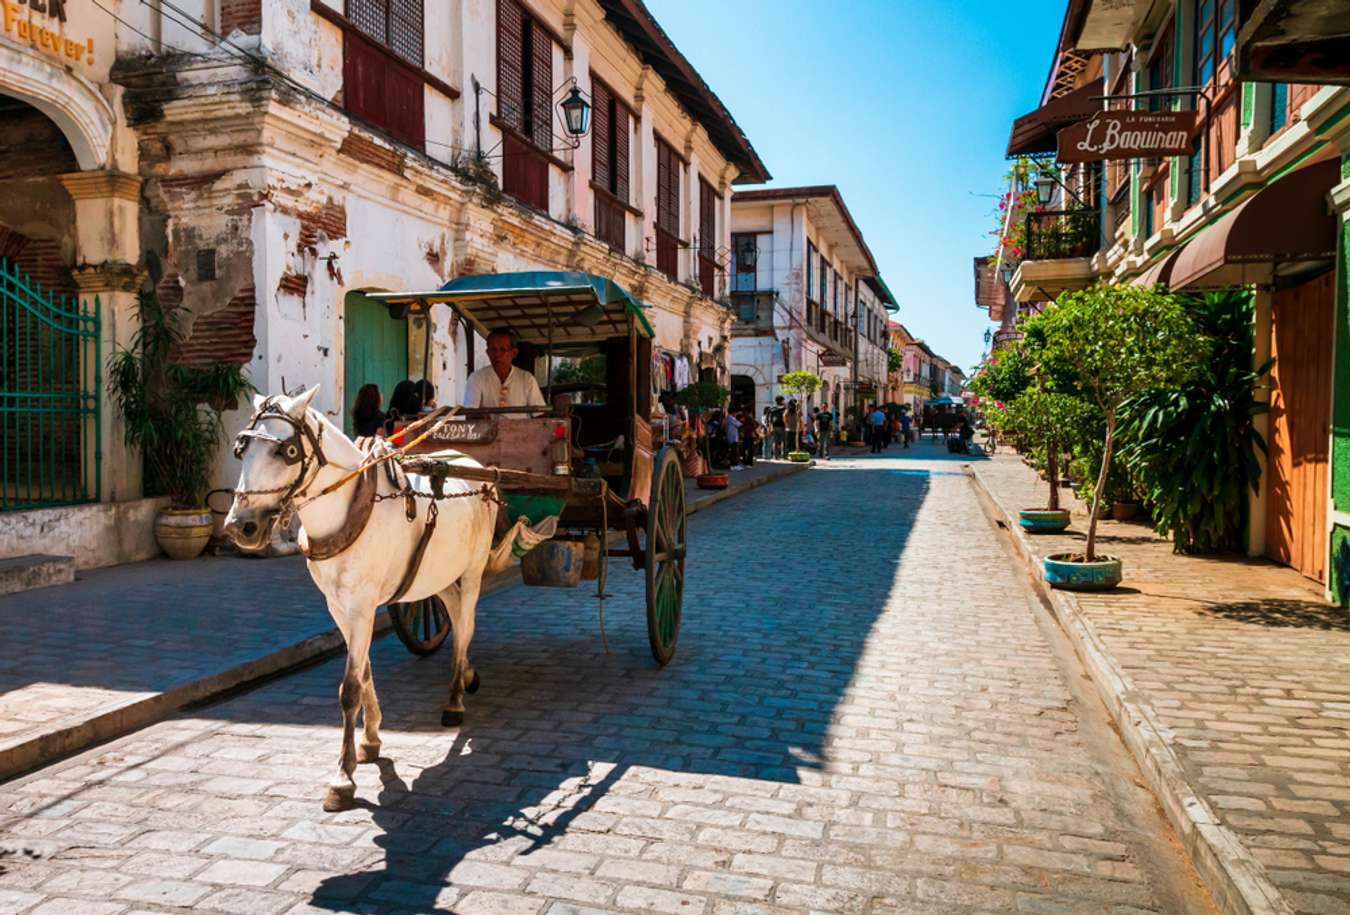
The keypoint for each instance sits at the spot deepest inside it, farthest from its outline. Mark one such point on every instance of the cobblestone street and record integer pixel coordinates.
(867, 712)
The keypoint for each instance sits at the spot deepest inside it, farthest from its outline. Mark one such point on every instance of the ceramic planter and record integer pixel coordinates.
(1124, 511)
(713, 481)
(183, 533)
(1043, 520)
(1102, 574)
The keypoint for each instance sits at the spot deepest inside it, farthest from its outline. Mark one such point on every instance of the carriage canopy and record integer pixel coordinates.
(539, 305)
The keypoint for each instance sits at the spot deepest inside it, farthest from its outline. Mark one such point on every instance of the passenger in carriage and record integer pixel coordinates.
(502, 384)
(367, 417)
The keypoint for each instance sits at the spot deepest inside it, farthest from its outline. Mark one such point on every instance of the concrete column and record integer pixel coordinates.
(107, 242)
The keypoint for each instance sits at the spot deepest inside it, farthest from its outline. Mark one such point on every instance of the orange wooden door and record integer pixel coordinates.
(1300, 413)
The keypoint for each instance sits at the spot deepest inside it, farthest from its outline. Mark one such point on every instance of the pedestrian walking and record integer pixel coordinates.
(824, 431)
(886, 430)
(778, 427)
(792, 420)
(751, 435)
(876, 420)
(905, 422)
(731, 430)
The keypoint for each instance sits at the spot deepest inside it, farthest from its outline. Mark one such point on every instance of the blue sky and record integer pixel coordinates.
(905, 105)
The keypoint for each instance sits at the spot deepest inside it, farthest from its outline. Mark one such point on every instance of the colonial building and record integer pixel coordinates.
(1259, 201)
(807, 296)
(283, 159)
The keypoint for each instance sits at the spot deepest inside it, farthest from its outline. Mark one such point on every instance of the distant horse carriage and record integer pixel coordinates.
(412, 523)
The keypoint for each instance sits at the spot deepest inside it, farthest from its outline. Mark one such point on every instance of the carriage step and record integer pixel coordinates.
(36, 570)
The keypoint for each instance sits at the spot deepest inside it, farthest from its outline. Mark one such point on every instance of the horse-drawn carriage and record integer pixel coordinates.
(591, 465)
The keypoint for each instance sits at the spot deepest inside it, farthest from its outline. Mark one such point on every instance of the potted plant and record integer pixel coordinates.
(698, 399)
(1107, 344)
(800, 385)
(171, 412)
(1041, 420)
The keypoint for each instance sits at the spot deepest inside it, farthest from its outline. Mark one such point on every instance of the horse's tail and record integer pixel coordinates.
(519, 540)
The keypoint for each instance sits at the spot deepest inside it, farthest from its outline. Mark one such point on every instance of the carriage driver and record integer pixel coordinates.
(502, 384)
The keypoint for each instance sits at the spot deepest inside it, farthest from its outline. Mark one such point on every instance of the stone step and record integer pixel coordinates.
(37, 570)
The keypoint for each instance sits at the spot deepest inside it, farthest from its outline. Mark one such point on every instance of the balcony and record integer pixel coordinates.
(1059, 234)
(1060, 245)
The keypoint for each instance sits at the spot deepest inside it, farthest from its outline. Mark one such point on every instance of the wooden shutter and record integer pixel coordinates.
(601, 134)
(667, 188)
(510, 64)
(707, 218)
(541, 92)
(620, 130)
(383, 92)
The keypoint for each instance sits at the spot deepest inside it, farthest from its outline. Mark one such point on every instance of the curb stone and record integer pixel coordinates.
(1236, 880)
(82, 731)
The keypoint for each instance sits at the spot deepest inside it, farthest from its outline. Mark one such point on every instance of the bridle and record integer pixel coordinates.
(303, 446)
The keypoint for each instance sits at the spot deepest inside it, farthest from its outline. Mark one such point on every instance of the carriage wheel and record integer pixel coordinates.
(667, 527)
(422, 625)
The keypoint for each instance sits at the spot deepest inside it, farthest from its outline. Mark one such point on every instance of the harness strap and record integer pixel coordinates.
(358, 515)
(415, 563)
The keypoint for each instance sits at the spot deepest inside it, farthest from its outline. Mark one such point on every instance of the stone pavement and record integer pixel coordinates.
(1238, 668)
(866, 713)
(124, 646)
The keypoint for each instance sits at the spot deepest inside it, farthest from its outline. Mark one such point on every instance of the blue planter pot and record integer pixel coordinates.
(1101, 575)
(1043, 520)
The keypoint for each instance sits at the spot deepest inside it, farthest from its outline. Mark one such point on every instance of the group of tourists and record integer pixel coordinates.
(881, 427)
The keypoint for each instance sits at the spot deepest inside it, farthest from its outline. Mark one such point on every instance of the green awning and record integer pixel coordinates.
(580, 306)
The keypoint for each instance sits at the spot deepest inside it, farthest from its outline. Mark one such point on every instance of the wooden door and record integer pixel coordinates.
(376, 351)
(1300, 412)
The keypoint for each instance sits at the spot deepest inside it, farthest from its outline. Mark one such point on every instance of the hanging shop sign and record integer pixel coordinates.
(44, 25)
(1127, 135)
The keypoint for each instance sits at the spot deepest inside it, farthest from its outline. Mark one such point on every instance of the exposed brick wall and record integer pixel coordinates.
(31, 144)
(363, 149)
(245, 15)
(225, 335)
(40, 258)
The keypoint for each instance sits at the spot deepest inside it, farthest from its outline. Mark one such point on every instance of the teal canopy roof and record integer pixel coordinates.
(580, 307)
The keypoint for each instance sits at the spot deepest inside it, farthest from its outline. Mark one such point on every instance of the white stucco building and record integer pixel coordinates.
(282, 158)
(808, 296)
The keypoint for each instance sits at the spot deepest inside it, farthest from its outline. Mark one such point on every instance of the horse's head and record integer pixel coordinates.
(280, 454)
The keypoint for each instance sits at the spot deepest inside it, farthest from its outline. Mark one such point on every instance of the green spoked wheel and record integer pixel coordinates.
(422, 625)
(667, 528)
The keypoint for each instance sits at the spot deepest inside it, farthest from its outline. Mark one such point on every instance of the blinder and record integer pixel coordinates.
(300, 447)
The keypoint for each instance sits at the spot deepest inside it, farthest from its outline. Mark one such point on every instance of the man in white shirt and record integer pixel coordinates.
(502, 384)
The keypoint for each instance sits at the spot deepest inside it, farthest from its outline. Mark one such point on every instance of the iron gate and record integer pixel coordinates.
(50, 382)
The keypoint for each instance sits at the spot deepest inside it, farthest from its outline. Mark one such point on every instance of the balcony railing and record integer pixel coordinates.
(610, 222)
(707, 275)
(667, 254)
(1057, 234)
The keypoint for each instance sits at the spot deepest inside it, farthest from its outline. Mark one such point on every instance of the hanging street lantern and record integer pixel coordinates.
(1045, 188)
(576, 113)
(1007, 270)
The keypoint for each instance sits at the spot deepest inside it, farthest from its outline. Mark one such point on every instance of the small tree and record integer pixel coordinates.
(800, 385)
(1107, 344)
(1042, 420)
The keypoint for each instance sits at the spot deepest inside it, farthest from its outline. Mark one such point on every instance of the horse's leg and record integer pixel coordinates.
(462, 613)
(369, 750)
(342, 789)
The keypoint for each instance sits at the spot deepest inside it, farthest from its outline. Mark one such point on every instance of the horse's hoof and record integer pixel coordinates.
(451, 719)
(339, 798)
(472, 686)
(367, 752)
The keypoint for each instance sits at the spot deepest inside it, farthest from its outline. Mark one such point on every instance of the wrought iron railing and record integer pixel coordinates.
(50, 388)
(1057, 234)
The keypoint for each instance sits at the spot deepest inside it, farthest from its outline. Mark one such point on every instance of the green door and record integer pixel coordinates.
(377, 351)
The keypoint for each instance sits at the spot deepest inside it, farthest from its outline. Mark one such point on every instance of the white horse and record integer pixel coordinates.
(290, 455)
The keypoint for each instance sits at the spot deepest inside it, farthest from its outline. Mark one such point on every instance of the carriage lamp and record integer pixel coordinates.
(576, 113)
(1045, 188)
